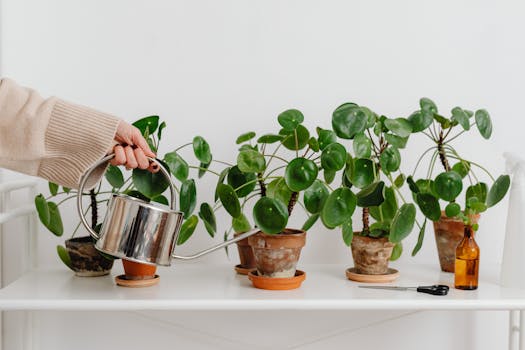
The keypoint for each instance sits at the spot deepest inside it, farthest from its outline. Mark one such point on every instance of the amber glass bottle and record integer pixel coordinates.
(467, 261)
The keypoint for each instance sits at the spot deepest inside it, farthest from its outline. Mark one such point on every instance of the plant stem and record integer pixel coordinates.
(441, 151)
(277, 157)
(273, 154)
(221, 162)
(181, 147)
(365, 217)
(273, 171)
(262, 185)
(204, 169)
(296, 144)
(291, 203)
(421, 158)
(80, 222)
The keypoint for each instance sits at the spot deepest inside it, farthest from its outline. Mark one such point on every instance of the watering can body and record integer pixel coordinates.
(141, 231)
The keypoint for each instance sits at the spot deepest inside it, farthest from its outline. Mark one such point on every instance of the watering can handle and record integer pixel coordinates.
(218, 246)
(88, 172)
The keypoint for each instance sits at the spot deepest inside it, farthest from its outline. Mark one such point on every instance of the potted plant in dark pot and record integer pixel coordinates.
(276, 170)
(458, 173)
(374, 173)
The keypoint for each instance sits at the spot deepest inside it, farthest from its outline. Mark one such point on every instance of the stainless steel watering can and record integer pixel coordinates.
(136, 230)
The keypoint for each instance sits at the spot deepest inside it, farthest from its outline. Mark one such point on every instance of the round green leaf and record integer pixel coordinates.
(333, 157)
(243, 183)
(399, 126)
(420, 239)
(310, 221)
(396, 252)
(300, 173)
(53, 188)
(55, 220)
(278, 189)
(245, 137)
(315, 197)
(478, 190)
(462, 168)
(250, 161)
(361, 173)
(429, 206)
(290, 119)
(348, 120)
(498, 190)
(313, 144)
(43, 209)
(161, 199)
(64, 256)
(348, 232)
(399, 181)
(270, 215)
(396, 141)
(229, 200)
(270, 138)
(403, 223)
(208, 217)
(339, 207)
(241, 224)
(372, 195)
(203, 168)
(150, 185)
(292, 142)
(178, 166)
(420, 121)
(390, 159)
(362, 146)
(329, 176)
(444, 122)
(448, 185)
(428, 106)
(461, 117)
(114, 176)
(452, 210)
(222, 176)
(188, 197)
(483, 123)
(201, 148)
(159, 132)
(187, 229)
(325, 138)
(388, 209)
(147, 125)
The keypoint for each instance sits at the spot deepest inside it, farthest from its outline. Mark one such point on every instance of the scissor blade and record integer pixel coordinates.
(384, 287)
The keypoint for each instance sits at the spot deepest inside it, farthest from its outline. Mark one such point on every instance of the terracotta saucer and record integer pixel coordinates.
(277, 283)
(242, 270)
(390, 276)
(123, 281)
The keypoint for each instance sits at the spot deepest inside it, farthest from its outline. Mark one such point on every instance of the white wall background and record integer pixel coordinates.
(220, 68)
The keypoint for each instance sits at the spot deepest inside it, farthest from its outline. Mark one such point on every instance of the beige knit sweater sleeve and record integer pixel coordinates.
(51, 138)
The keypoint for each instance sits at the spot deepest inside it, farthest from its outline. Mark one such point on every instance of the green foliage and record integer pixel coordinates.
(270, 215)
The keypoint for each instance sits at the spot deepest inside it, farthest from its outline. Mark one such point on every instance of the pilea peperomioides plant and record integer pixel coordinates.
(277, 170)
(141, 184)
(374, 172)
(457, 174)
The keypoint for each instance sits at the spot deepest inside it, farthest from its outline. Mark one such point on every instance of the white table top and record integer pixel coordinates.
(217, 287)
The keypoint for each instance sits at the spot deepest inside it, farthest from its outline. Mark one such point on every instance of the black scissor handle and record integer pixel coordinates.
(436, 289)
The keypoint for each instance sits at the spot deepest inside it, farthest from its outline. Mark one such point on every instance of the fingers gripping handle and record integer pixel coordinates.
(85, 177)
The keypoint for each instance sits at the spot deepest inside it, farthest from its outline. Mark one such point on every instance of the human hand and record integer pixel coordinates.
(132, 149)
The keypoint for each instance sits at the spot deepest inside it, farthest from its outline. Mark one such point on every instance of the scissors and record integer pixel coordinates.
(436, 289)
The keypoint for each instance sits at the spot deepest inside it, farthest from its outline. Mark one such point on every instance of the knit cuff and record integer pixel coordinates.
(76, 138)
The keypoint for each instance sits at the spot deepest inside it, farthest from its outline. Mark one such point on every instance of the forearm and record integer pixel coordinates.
(51, 138)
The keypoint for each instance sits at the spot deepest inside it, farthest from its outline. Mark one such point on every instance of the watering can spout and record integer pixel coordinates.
(218, 246)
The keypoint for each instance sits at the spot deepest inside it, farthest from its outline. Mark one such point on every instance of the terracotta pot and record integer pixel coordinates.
(138, 271)
(371, 255)
(245, 253)
(448, 233)
(277, 255)
(86, 260)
